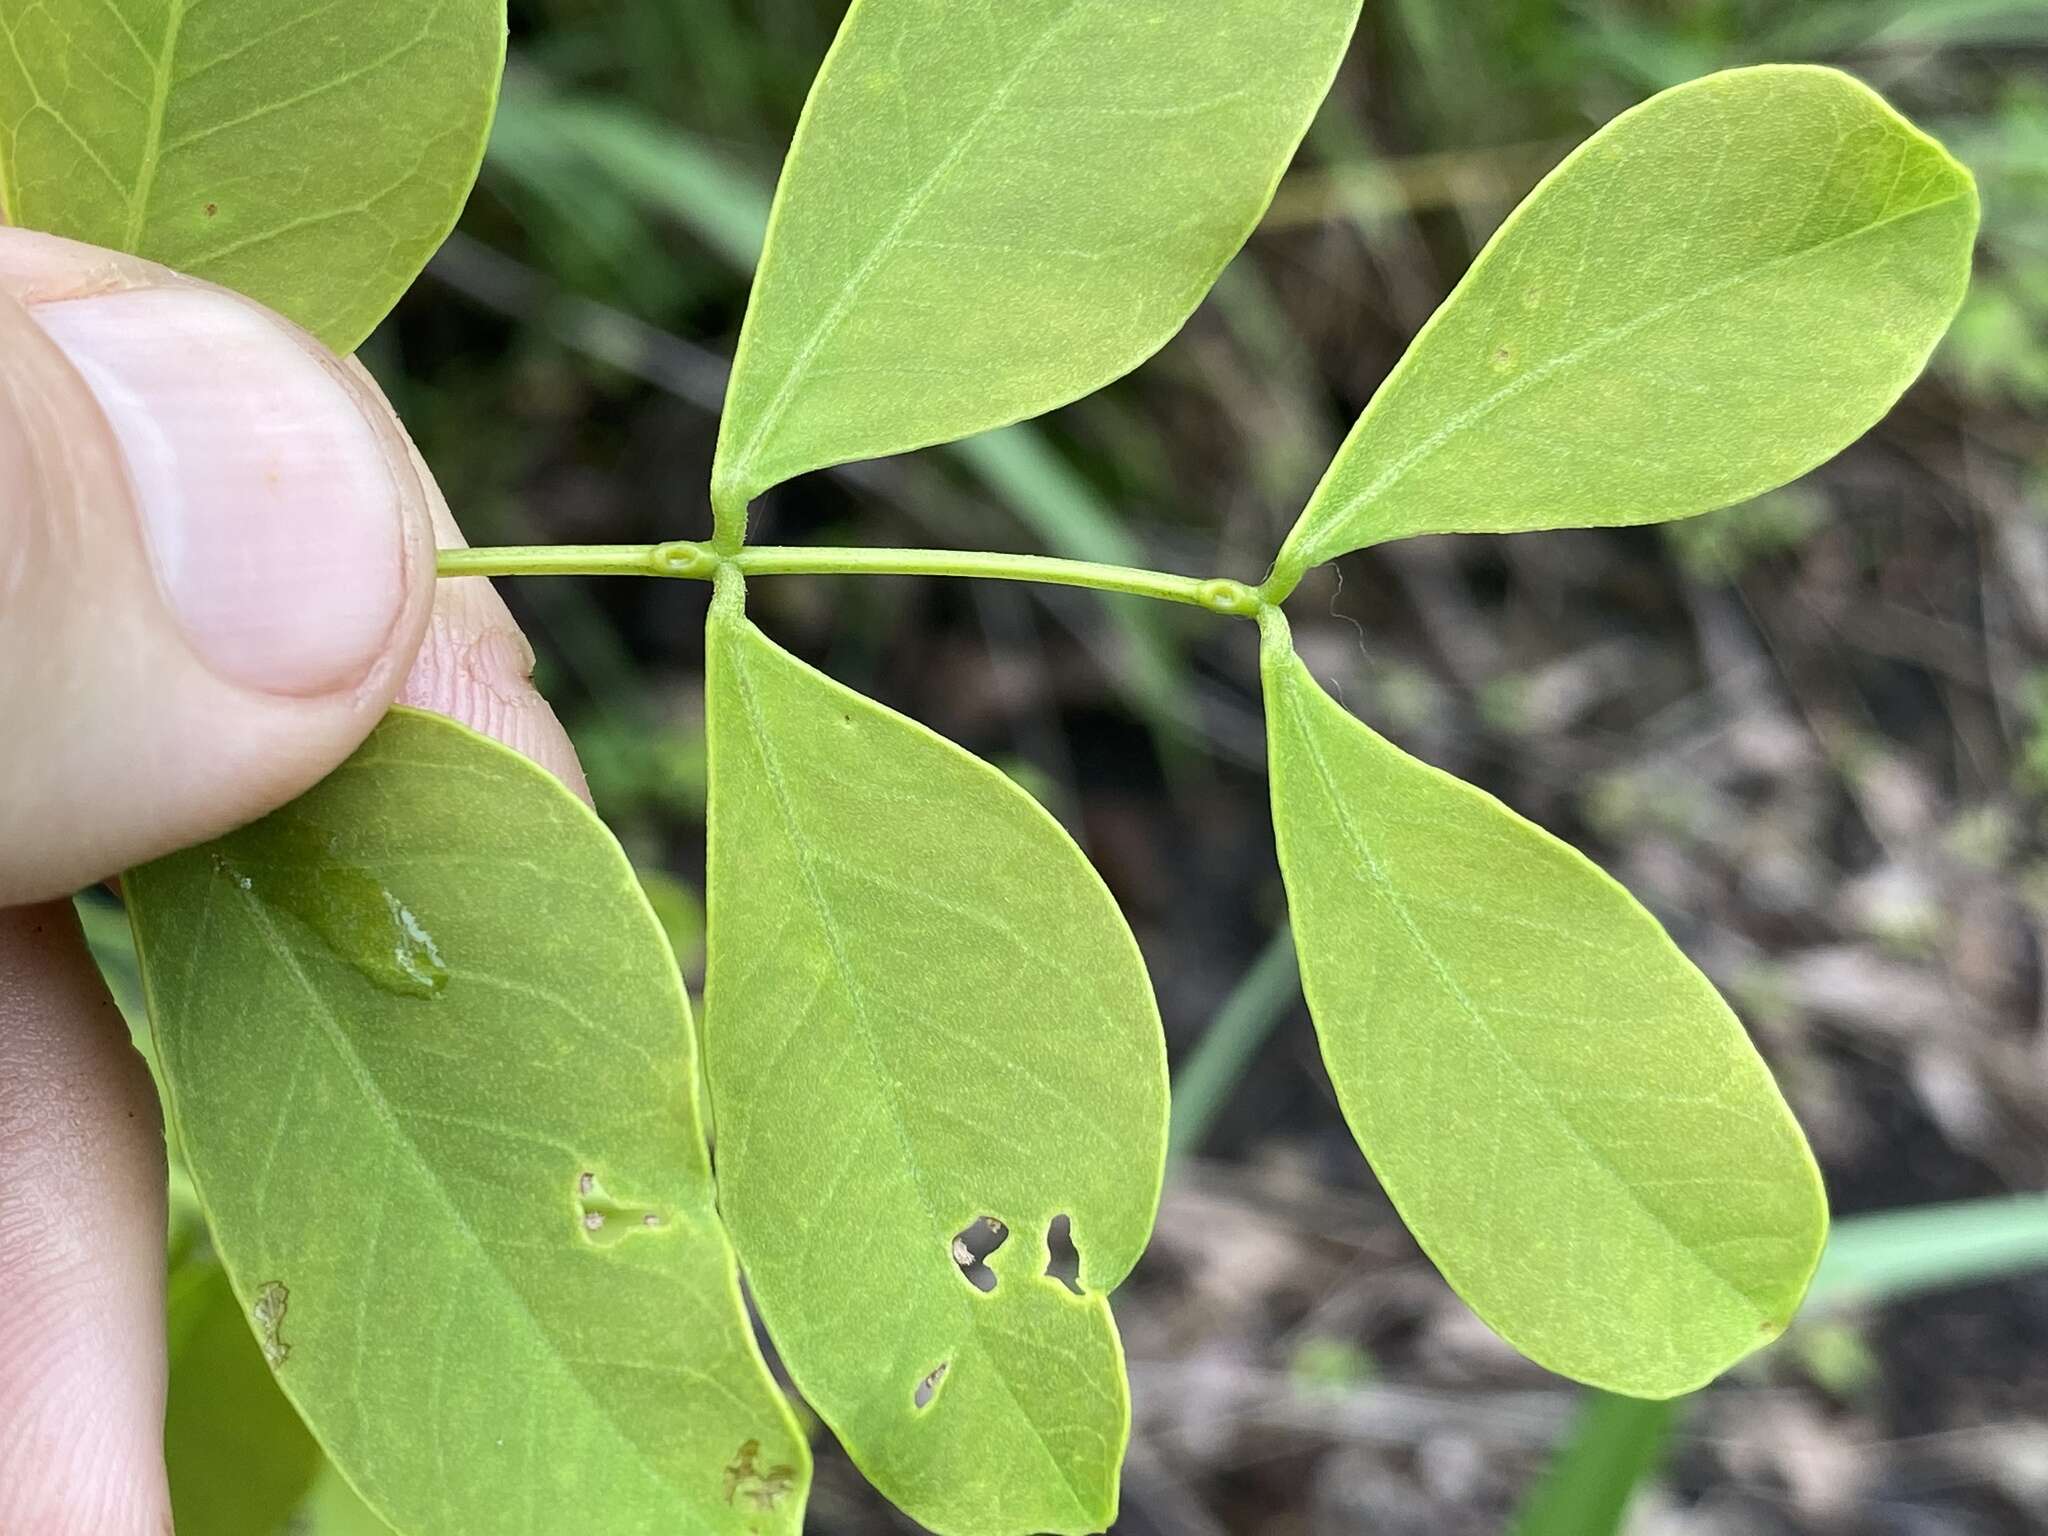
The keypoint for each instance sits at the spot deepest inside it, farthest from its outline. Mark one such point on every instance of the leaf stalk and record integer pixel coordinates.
(701, 562)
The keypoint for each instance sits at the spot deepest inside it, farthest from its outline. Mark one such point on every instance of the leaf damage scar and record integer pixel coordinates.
(272, 1301)
(603, 1221)
(746, 1482)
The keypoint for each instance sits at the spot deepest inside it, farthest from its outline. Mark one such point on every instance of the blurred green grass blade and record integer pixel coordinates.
(1811, 32)
(1258, 1002)
(538, 133)
(1615, 1443)
(582, 228)
(1649, 52)
(1649, 56)
(1894, 1254)
(240, 1460)
(1961, 23)
(1024, 472)
(1049, 497)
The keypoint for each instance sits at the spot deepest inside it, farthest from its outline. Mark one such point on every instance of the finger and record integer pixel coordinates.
(215, 562)
(81, 1247)
(172, 698)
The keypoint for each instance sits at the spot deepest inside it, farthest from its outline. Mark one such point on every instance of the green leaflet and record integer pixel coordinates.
(431, 1065)
(1719, 290)
(923, 1010)
(308, 154)
(1563, 1110)
(991, 210)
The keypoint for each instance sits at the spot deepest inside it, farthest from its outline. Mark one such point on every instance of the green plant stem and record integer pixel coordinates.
(561, 560)
(701, 562)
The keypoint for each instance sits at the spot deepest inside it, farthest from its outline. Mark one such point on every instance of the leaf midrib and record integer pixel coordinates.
(1391, 477)
(152, 138)
(1476, 1015)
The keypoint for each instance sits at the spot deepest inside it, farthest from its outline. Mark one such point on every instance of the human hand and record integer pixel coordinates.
(216, 574)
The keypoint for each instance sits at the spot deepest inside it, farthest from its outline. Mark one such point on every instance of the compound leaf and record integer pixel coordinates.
(1721, 289)
(430, 1061)
(928, 1031)
(308, 154)
(991, 210)
(1568, 1117)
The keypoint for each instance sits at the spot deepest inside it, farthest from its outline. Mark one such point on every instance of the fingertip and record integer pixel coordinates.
(82, 1216)
(275, 514)
(215, 569)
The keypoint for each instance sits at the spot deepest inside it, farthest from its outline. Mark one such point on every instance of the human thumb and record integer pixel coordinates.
(215, 562)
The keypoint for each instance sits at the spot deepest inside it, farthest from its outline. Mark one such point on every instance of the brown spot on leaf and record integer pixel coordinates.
(746, 1482)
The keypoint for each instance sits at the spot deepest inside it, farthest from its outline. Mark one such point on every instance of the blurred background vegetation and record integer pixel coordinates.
(1812, 732)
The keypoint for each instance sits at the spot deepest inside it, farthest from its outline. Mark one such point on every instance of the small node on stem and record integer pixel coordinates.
(681, 557)
(1222, 595)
